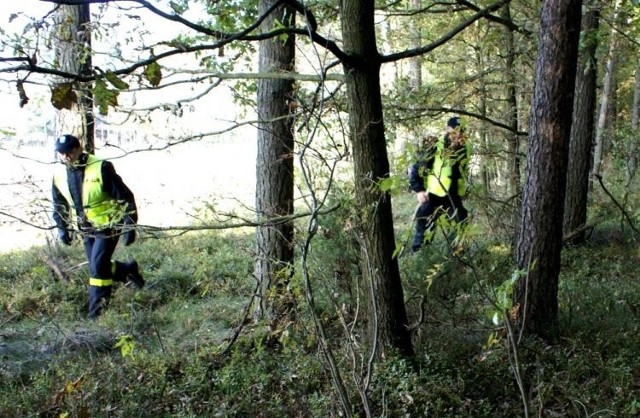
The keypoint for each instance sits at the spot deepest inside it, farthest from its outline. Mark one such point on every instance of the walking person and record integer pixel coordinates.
(88, 190)
(439, 181)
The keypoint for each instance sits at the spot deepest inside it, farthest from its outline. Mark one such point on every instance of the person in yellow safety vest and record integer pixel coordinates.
(89, 189)
(444, 167)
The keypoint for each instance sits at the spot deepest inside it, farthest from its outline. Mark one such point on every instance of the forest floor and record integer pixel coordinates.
(186, 346)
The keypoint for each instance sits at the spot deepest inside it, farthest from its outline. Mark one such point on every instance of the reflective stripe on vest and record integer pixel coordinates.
(100, 282)
(100, 209)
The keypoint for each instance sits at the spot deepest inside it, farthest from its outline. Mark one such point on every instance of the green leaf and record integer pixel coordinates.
(386, 184)
(103, 97)
(178, 7)
(63, 96)
(126, 344)
(153, 74)
(116, 81)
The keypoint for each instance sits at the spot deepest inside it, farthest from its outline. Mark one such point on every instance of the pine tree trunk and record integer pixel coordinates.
(387, 317)
(513, 141)
(274, 165)
(540, 238)
(635, 112)
(582, 130)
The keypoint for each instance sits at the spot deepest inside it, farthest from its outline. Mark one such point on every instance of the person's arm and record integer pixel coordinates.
(115, 187)
(61, 214)
(118, 190)
(416, 181)
(61, 208)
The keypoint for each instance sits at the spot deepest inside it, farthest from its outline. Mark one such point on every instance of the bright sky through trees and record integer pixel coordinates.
(226, 171)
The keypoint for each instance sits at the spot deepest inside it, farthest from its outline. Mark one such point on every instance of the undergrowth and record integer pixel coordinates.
(170, 349)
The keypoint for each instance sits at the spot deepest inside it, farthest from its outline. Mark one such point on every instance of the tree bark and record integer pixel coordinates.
(580, 150)
(540, 238)
(274, 164)
(73, 54)
(415, 41)
(513, 141)
(387, 315)
(606, 96)
(489, 168)
(635, 112)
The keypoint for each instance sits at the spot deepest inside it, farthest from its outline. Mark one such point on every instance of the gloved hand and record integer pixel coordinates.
(129, 237)
(64, 237)
(128, 231)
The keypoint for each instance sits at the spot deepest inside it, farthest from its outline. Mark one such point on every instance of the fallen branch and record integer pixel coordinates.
(54, 265)
(577, 232)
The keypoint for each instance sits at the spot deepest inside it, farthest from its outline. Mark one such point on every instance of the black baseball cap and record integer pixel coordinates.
(66, 143)
(454, 122)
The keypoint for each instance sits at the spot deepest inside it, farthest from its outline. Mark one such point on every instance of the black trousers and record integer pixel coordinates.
(429, 212)
(103, 271)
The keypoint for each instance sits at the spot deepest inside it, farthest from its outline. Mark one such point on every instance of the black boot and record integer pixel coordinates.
(98, 300)
(134, 276)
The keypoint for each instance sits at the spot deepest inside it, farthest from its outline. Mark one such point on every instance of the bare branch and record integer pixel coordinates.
(23, 221)
(242, 223)
(622, 210)
(506, 23)
(448, 36)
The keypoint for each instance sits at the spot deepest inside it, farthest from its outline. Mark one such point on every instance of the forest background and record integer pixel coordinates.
(274, 209)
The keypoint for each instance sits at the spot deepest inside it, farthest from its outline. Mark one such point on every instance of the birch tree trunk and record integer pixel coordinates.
(606, 97)
(415, 41)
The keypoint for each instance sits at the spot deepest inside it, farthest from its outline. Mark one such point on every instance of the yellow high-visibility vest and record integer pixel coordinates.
(100, 209)
(439, 178)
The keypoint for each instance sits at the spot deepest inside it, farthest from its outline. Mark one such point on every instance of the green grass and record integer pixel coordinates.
(168, 350)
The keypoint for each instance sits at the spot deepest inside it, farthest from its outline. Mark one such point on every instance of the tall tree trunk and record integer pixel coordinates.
(73, 54)
(635, 112)
(633, 142)
(274, 164)
(606, 97)
(582, 130)
(387, 315)
(540, 238)
(415, 41)
(513, 141)
(489, 170)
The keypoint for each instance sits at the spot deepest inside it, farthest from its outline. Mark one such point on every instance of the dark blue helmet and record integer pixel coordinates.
(66, 143)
